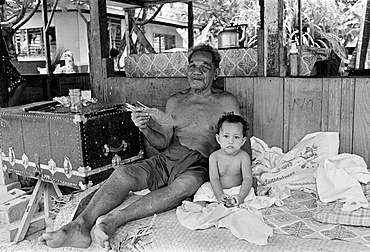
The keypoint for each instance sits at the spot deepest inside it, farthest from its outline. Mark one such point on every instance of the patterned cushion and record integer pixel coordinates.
(332, 212)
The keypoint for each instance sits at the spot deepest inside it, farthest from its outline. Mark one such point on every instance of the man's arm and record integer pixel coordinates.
(248, 148)
(156, 138)
(156, 126)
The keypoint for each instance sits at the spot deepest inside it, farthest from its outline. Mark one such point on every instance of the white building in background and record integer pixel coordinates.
(69, 30)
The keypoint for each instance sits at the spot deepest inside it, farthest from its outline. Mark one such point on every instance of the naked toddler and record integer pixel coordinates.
(229, 167)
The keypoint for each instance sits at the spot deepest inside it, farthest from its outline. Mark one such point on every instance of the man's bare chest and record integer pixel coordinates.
(196, 117)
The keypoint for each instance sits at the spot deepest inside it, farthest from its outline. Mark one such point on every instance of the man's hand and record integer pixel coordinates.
(140, 117)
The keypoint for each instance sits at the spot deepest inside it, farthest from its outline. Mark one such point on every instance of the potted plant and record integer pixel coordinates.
(327, 26)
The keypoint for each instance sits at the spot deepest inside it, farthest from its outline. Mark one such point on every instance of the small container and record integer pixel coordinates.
(293, 60)
(76, 105)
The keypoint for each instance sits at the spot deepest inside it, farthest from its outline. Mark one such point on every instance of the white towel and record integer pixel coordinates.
(243, 223)
(338, 179)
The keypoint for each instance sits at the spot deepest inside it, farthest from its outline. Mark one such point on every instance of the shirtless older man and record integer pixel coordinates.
(185, 133)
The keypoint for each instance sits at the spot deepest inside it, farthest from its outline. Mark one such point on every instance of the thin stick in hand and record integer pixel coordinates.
(142, 105)
(130, 107)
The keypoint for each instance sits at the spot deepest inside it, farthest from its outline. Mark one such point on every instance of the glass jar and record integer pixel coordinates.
(75, 96)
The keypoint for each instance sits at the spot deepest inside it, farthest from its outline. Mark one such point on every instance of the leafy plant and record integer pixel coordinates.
(325, 24)
(57, 57)
(220, 13)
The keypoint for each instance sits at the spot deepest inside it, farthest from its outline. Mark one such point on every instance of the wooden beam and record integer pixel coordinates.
(3, 87)
(262, 43)
(271, 39)
(357, 53)
(3, 91)
(49, 70)
(190, 25)
(365, 36)
(141, 37)
(98, 47)
(127, 32)
(300, 22)
(144, 3)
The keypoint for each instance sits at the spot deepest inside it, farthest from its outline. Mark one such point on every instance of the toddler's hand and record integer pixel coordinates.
(232, 201)
(223, 198)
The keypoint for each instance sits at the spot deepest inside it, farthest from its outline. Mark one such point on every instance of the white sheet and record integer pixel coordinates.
(278, 173)
(339, 179)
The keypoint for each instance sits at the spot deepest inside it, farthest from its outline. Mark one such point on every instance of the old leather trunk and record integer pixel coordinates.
(45, 141)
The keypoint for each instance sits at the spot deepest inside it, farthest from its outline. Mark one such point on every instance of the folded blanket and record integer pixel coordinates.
(332, 212)
(243, 223)
(339, 179)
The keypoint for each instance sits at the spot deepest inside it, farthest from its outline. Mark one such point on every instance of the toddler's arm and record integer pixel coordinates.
(247, 179)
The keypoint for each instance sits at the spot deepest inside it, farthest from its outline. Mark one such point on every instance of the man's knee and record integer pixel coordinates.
(186, 185)
(131, 175)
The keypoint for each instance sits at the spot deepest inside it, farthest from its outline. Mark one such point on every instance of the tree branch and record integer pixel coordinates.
(18, 25)
(144, 22)
(52, 15)
(81, 14)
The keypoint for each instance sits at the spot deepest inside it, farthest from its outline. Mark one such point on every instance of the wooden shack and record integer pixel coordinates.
(280, 109)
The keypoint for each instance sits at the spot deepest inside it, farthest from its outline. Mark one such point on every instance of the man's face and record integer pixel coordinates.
(201, 71)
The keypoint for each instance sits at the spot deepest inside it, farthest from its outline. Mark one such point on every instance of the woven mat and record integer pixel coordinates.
(167, 235)
(295, 217)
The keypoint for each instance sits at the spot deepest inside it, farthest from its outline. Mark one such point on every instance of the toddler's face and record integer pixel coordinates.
(231, 137)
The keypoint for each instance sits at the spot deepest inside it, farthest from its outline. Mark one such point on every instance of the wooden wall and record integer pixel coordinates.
(280, 110)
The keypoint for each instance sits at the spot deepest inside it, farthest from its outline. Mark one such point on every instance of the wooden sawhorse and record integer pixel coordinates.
(40, 188)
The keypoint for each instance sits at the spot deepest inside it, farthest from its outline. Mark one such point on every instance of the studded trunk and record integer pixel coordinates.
(41, 140)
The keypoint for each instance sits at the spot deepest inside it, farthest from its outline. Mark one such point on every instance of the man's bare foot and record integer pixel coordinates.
(104, 229)
(191, 206)
(70, 235)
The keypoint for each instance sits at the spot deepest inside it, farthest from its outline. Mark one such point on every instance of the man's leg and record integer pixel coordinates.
(110, 195)
(156, 201)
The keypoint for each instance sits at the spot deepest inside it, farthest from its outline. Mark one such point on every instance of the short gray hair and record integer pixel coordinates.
(216, 57)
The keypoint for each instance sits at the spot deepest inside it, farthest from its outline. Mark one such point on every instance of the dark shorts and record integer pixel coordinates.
(166, 166)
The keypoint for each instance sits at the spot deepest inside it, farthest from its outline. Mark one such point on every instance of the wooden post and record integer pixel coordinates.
(98, 47)
(190, 25)
(3, 87)
(272, 53)
(262, 43)
(127, 32)
(362, 56)
(300, 22)
(47, 48)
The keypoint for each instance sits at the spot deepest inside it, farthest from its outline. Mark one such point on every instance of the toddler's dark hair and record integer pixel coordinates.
(231, 118)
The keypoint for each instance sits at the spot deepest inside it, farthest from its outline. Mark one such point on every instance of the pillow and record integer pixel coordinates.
(332, 212)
